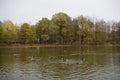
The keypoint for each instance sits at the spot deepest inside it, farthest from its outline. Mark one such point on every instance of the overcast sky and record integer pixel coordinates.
(19, 11)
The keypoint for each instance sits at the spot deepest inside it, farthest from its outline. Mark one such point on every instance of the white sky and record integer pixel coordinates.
(31, 11)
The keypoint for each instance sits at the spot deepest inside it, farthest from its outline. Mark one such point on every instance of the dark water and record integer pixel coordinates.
(60, 63)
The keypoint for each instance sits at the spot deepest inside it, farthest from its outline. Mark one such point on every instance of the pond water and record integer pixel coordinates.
(60, 63)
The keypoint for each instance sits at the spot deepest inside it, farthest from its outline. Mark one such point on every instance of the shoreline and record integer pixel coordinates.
(53, 45)
(34, 45)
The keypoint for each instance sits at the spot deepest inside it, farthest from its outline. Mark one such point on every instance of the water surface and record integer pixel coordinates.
(60, 63)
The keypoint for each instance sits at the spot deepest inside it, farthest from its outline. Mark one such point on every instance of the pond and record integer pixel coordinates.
(60, 63)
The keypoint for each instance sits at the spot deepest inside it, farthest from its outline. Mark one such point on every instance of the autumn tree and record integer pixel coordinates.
(61, 29)
(75, 23)
(1, 31)
(26, 33)
(115, 33)
(118, 31)
(9, 32)
(85, 29)
(100, 31)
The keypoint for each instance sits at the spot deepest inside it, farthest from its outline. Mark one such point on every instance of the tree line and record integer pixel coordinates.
(61, 29)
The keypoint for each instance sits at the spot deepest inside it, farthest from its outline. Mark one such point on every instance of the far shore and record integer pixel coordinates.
(34, 45)
(53, 45)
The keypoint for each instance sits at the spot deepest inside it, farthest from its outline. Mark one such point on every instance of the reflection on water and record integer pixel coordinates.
(60, 63)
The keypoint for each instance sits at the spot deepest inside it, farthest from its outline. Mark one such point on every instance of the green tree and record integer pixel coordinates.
(26, 33)
(45, 38)
(34, 33)
(54, 35)
(64, 22)
(42, 29)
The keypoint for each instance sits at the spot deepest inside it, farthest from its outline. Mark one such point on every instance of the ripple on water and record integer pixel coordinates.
(60, 65)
